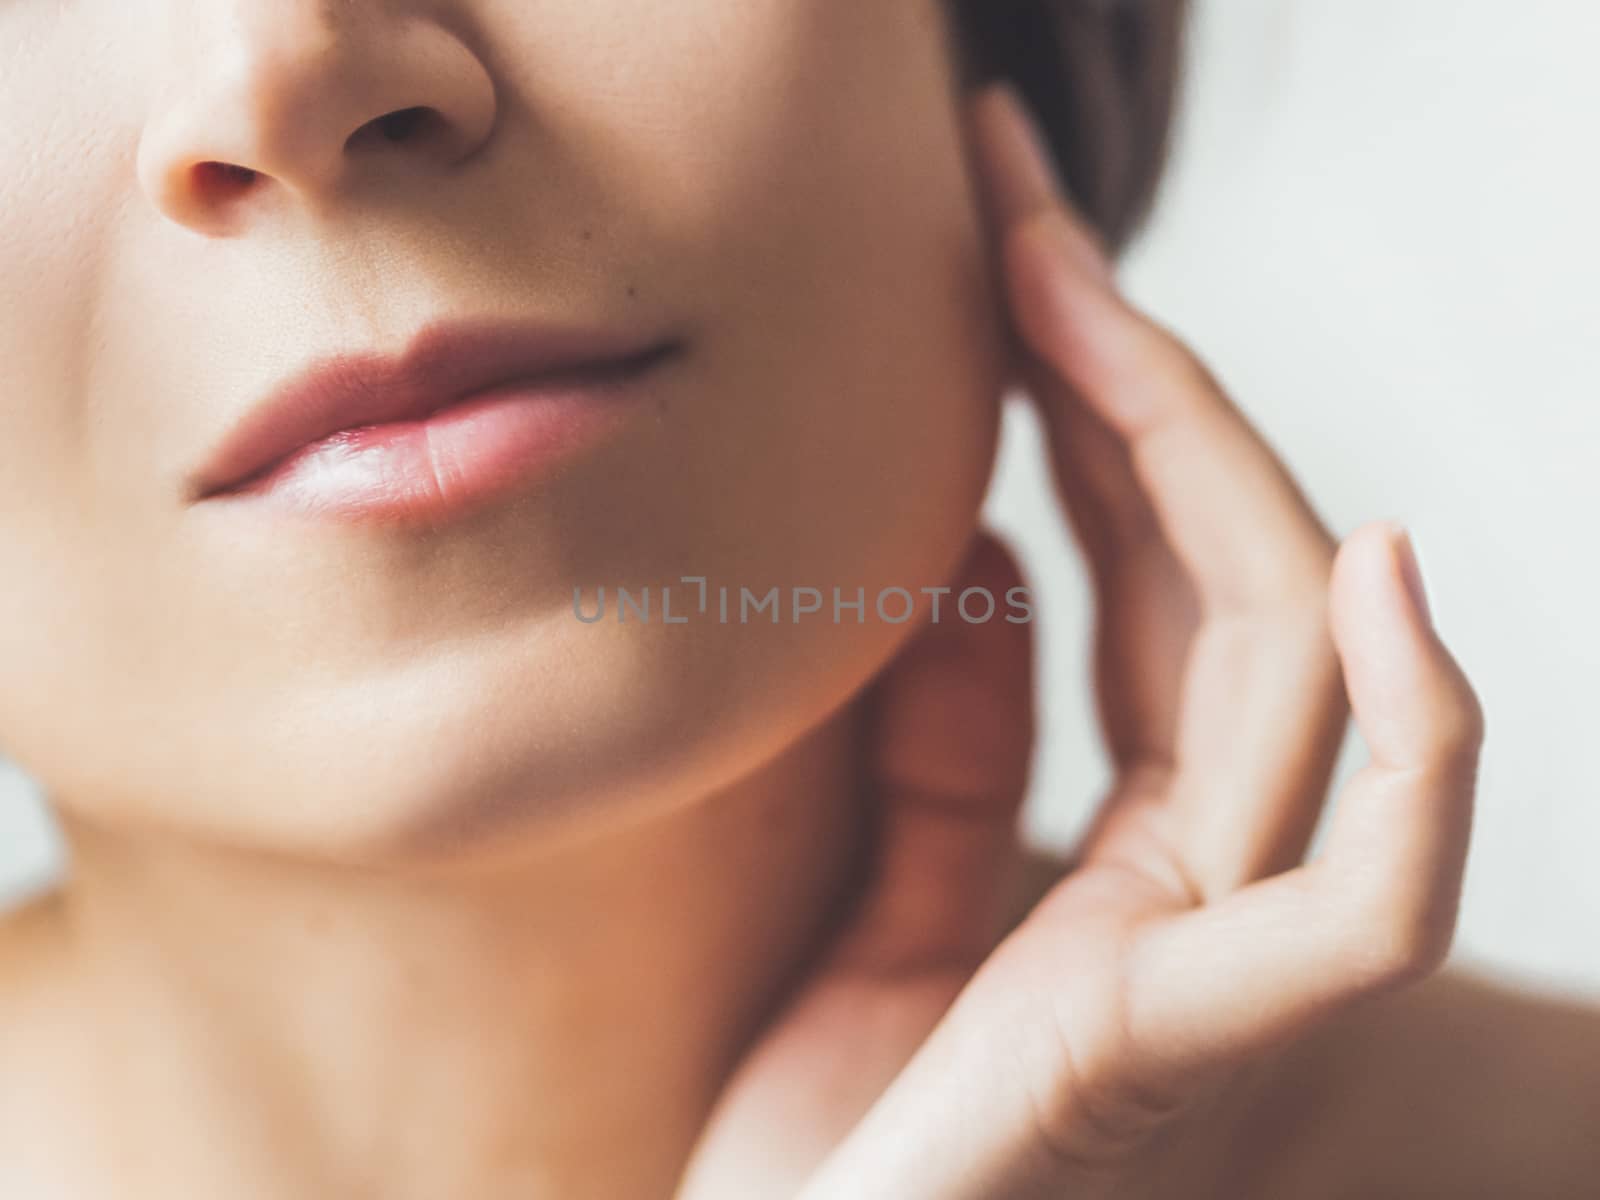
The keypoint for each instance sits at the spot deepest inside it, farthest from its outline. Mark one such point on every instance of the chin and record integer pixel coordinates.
(437, 702)
(501, 744)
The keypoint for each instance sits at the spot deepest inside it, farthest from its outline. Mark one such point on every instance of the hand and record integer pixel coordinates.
(1234, 638)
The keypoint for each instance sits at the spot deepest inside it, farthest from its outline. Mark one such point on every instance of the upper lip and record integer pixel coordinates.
(445, 362)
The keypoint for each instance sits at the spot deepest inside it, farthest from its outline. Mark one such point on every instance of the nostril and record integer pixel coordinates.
(216, 178)
(400, 125)
(234, 173)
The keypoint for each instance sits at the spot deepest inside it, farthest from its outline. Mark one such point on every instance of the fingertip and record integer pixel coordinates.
(992, 563)
(1410, 698)
(1375, 572)
(956, 706)
(990, 610)
(1020, 174)
(1411, 573)
(1022, 180)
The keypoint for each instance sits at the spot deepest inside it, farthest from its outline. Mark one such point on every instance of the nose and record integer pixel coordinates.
(304, 98)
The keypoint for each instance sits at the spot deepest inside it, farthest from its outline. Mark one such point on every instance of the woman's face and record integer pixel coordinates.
(780, 181)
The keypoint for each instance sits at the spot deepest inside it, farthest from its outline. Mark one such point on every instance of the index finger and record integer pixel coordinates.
(1229, 508)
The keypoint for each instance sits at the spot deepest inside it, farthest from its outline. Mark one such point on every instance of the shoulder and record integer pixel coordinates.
(30, 987)
(34, 1037)
(28, 944)
(1404, 1095)
(1443, 1060)
(29, 933)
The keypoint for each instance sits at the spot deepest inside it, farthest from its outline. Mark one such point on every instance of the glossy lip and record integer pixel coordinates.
(367, 398)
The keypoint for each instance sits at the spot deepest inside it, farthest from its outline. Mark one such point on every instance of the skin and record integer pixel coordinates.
(401, 924)
(376, 752)
(794, 445)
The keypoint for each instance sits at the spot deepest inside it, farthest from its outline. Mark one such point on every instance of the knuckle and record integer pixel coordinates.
(1148, 358)
(1473, 725)
(991, 561)
(1413, 950)
(1460, 727)
(1082, 1144)
(1170, 350)
(1297, 587)
(1091, 1124)
(1401, 940)
(1185, 381)
(1283, 581)
(1281, 592)
(1089, 1110)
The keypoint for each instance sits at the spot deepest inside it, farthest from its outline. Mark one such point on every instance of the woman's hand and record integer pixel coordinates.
(1190, 939)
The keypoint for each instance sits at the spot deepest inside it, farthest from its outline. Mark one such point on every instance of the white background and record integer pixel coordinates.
(1380, 231)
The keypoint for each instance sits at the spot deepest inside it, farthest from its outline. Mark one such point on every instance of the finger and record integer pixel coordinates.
(949, 760)
(1189, 500)
(950, 757)
(1018, 177)
(1103, 498)
(1145, 609)
(1377, 908)
(1228, 507)
(1213, 988)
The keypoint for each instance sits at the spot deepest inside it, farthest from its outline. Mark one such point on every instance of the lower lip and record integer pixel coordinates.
(484, 447)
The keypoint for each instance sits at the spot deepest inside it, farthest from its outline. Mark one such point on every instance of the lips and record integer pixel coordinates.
(348, 399)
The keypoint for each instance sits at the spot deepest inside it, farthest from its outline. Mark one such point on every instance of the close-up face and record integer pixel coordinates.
(775, 193)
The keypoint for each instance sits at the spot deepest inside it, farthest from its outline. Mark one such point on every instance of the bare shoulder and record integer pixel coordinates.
(29, 986)
(1465, 1085)
(1461, 1086)
(28, 942)
(33, 1035)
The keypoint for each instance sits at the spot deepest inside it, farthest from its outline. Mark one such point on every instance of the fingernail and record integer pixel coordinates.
(1037, 174)
(1039, 183)
(1411, 573)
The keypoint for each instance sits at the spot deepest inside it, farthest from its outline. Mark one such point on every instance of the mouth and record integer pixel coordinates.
(467, 413)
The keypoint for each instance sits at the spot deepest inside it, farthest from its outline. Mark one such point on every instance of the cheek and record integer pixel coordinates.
(809, 204)
(856, 333)
(790, 176)
(854, 361)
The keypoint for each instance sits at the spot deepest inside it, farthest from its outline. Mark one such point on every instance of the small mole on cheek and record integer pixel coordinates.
(588, 234)
(632, 291)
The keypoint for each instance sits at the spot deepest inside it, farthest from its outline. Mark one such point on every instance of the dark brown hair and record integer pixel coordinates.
(1102, 78)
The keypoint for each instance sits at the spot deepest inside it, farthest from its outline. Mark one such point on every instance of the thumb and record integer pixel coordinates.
(952, 737)
(950, 728)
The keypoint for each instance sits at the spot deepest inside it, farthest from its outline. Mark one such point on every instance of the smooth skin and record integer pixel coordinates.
(1137, 1032)
(388, 877)
(389, 881)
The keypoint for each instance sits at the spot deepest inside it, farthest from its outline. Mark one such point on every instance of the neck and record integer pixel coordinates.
(560, 1028)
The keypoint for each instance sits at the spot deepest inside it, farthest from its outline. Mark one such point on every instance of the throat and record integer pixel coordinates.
(561, 1028)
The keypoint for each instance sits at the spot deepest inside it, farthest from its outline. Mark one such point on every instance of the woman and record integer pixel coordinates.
(396, 874)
